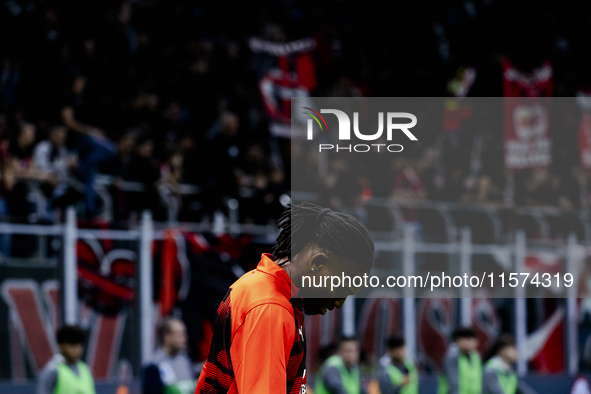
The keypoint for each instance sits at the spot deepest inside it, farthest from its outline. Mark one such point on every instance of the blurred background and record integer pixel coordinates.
(145, 145)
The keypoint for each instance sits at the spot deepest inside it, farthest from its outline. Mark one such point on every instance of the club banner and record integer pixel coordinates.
(379, 318)
(284, 70)
(516, 83)
(545, 344)
(192, 272)
(436, 318)
(30, 312)
(527, 134)
(528, 141)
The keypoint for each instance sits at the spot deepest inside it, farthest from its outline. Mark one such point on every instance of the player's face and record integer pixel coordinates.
(177, 336)
(398, 353)
(327, 300)
(320, 265)
(509, 353)
(72, 352)
(319, 306)
(27, 135)
(468, 344)
(57, 136)
(349, 351)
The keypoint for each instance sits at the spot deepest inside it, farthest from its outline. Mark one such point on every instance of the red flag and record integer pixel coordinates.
(167, 291)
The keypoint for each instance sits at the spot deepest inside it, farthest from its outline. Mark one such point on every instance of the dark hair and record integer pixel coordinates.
(57, 128)
(504, 340)
(344, 339)
(463, 332)
(70, 334)
(395, 341)
(143, 137)
(308, 224)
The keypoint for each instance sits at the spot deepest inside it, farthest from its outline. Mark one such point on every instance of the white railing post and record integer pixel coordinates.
(466, 268)
(233, 225)
(70, 274)
(348, 317)
(409, 306)
(145, 287)
(520, 305)
(572, 337)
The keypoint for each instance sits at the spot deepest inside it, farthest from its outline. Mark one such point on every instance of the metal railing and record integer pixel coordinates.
(403, 239)
(170, 196)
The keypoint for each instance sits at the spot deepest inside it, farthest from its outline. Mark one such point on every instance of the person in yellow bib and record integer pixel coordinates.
(66, 373)
(462, 365)
(499, 371)
(400, 375)
(339, 374)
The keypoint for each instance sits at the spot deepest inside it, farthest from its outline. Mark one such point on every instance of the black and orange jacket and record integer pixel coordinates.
(257, 344)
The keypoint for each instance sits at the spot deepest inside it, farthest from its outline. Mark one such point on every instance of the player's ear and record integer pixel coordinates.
(318, 261)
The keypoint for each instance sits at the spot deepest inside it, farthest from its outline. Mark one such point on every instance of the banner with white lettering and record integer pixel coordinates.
(285, 70)
(31, 312)
(528, 142)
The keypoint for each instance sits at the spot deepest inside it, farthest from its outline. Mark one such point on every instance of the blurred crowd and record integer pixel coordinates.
(152, 94)
(463, 167)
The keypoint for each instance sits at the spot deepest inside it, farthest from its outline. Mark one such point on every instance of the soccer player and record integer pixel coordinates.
(339, 374)
(462, 366)
(258, 343)
(66, 373)
(499, 372)
(400, 376)
(170, 370)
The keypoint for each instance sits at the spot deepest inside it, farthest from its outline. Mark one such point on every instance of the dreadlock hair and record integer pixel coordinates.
(307, 224)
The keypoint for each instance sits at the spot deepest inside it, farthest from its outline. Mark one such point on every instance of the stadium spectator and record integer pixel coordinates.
(172, 170)
(121, 73)
(339, 374)
(224, 149)
(51, 157)
(146, 171)
(400, 376)
(66, 373)
(175, 128)
(75, 111)
(91, 143)
(20, 149)
(544, 188)
(499, 371)
(121, 165)
(20, 162)
(170, 370)
(258, 182)
(462, 366)
(407, 183)
(122, 168)
(55, 164)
